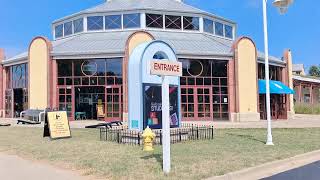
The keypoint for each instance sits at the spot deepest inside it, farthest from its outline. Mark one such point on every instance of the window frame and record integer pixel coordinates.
(179, 19)
(186, 26)
(159, 17)
(131, 20)
(67, 31)
(75, 29)
(96, 23)
(215, 28)
(204, 26)
(55, 31)
(225, 31)
(119, 17)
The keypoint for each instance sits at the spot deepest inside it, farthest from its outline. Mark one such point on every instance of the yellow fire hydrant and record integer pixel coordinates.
(148, 137)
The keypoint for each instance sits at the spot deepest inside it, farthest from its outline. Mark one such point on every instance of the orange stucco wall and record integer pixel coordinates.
(38, 73)
(247, 88)
(133, 41)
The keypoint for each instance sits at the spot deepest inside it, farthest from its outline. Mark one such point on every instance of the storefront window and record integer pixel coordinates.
(204, 90)
(18, 75)
(65, 68)
(274, 72)
(85, 78)
(153, 106)
(114, 67)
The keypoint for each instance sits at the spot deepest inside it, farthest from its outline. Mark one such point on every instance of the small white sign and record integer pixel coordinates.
(165, 68)
(225, 100)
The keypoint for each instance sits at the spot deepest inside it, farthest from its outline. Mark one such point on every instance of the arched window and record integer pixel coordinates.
(160, 55)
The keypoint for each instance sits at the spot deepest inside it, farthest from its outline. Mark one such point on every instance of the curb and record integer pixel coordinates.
(272, 168)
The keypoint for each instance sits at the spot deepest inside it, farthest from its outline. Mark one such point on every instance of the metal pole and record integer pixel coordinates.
(266, 53)
(165, 126)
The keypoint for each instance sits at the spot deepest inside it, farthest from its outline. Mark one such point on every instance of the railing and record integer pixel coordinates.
(188, 132)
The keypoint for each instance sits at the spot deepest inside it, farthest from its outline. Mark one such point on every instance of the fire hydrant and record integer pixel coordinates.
(148, 137)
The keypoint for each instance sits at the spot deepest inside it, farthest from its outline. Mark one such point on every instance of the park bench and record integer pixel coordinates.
(108, 125)
(31, 116)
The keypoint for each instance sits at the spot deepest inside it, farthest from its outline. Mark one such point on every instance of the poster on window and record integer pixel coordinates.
(153, 107)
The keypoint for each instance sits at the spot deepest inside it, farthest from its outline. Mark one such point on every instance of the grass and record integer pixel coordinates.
(301, 108)
(231, 150)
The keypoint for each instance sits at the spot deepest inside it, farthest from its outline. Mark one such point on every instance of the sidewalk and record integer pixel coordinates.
(299, 121)
(272, 168)
(13, 167)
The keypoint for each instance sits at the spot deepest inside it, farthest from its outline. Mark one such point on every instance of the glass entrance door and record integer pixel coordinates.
(196, 103)
(204, 103)
(86, 100)
(18, 101)
(278, 106)
(9, 103)
(114, 103)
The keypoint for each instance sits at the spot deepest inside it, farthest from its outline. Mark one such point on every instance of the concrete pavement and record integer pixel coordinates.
(13, 167)
(299, 121)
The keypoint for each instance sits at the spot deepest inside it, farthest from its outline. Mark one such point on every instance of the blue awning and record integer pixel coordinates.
(276, 87)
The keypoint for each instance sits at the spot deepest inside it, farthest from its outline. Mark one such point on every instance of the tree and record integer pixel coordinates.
(314, 71)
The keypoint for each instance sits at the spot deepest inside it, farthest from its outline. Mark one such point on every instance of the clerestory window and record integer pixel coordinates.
(154, 20)
(173, 22)
(78, 25)
(219, 28)
(113, 22)
(228, 31)
(67, 28)
(190, 23)
(95, 23)
(131, 20)
(59, 31)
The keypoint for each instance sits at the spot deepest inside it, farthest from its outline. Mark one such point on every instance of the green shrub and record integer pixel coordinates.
(301, 108)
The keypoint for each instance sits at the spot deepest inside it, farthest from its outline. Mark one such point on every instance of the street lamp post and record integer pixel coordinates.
(283, 6)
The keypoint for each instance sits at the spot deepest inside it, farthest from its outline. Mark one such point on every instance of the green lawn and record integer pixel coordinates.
(231, 149)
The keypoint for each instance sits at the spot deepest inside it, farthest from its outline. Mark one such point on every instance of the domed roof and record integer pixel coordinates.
(163, 5)
(134, 5)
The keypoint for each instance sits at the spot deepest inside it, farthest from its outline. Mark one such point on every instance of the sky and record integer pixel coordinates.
(298, 30)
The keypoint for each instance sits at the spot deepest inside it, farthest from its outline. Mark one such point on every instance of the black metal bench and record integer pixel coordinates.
(31, 116)
(108, 125)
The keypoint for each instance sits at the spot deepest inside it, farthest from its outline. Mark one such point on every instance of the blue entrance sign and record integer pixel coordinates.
(145, 94)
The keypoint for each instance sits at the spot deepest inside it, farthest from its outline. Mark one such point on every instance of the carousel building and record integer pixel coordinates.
(85, 65)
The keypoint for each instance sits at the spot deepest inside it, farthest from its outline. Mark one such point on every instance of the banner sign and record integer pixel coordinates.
(57, 125)
(165, 68)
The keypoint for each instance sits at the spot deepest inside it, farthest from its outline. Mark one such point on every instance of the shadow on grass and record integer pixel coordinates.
(158, 157)
(249, 137)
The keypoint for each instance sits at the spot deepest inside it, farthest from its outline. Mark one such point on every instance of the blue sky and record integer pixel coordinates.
(298, 30)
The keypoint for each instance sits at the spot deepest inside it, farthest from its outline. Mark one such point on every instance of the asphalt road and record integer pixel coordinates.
(307, 172)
